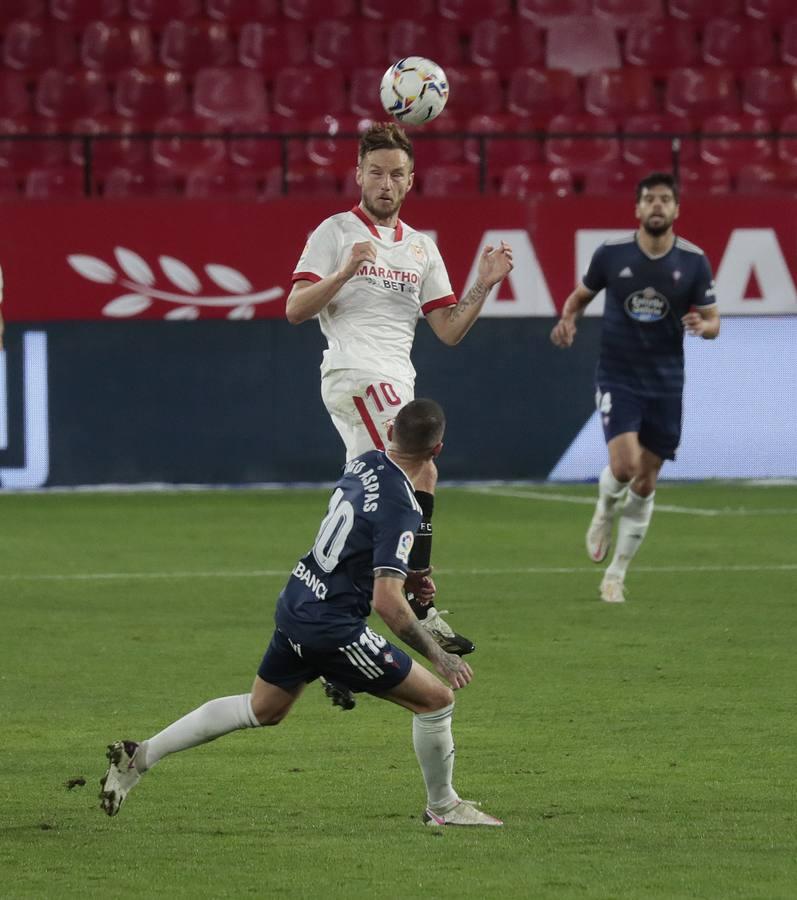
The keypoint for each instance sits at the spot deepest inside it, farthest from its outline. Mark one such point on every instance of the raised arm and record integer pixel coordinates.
(564, 331)
(308, 298)
(452, 323)
(389, 601)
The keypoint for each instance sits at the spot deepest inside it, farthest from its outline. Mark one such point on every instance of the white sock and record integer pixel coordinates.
(208, 722)
(610, 491)
(631, 530)
(434, 747)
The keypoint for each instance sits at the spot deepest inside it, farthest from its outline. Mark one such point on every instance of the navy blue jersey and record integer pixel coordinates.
(370, 524)
(642, 339)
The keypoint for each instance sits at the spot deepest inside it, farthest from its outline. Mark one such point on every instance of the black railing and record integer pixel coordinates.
(675, 139)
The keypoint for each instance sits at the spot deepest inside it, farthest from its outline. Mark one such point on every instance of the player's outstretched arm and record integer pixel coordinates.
(308, 298)
(564, 332)
(392, 606)
(452, 323)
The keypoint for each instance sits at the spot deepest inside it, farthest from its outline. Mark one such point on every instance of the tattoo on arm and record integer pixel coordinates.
(414, 636)
(474, 296)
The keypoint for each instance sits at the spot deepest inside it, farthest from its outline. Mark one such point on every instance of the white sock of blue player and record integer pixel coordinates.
(631, 530)
(610, 491)
(434, 747)
(208, 722)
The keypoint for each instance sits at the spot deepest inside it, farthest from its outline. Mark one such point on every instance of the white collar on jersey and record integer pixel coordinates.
(372, 228)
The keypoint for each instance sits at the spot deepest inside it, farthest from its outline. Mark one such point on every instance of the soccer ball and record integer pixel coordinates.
(414, 90)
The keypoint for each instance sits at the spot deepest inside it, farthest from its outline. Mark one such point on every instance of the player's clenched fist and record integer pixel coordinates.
(564, 332)
(360, 253)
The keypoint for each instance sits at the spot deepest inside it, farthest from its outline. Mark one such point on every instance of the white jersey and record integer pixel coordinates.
(370, 323)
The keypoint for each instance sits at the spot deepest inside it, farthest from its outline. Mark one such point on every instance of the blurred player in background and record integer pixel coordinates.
(657, 286)
(367, 276)
(360, 558)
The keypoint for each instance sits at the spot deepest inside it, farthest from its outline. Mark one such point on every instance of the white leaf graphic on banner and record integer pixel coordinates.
(134, 266)
(182, 312)
(247, 311)
(229, 279)
(179, 274)
(126, 305)
(92, 268)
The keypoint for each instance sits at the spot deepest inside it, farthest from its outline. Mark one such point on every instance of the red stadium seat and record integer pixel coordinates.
(776, 12)
(613, 180)
(238, 12)
(733, 151)
(124, 183)
(148, 94)
(260, 154)
(431, 143)
(109, 48)
(14, 97)
(224, 182)
(433, 38)
(109, 153)
(469, 12)
(454, 180)
(703, 10)
(530, 182)
(10, 10)
(192, 45)
(788, 43)
(652, 152)
(302, 181)
(227, 95)
(179, 155)
(36, 46)
(701, 92)
(364, 93)
(271, 46)
(69, 95)
(661, 45)
(385, 10)
(339, 155)
(23, 155)
(622, 13)
(307, 91)
(769, 91)
(544, 12)
(474, 89)
(700, 178)
(771, 179)
(582, 45)
(538, 93)
(158, 12)
(619, 92)
(54, 184)
(504, 45)
(81, 12)
(737, 43)
(585, 152)
(787, 146)
(313, 10)
(347, 45)
(500, 153)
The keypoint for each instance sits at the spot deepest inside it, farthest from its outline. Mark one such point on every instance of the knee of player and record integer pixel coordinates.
(625, 469)
(438, 697)
(266, 716)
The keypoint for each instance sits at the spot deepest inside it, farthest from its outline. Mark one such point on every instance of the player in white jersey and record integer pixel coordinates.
(368, 277)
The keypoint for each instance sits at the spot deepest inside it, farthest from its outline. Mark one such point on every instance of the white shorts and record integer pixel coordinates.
(362, 405)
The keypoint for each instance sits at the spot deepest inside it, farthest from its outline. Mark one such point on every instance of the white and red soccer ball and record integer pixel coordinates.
(414, 90)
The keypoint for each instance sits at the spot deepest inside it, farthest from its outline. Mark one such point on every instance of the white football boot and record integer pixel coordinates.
(444, 635)
(599, 536)
(121, 777)
(464, 812)
(612, 589)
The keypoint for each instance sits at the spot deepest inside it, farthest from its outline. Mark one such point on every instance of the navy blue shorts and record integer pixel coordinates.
(657, 420)
(368, 662)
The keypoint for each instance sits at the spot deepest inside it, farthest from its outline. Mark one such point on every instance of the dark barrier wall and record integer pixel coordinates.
(239, 402)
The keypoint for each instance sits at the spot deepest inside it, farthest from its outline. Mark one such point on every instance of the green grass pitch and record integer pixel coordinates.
(636, 751)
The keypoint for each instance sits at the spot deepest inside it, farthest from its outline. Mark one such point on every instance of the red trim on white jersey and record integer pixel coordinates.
(373, 431)
(305, 276)
(450, 300)
(372, 228)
